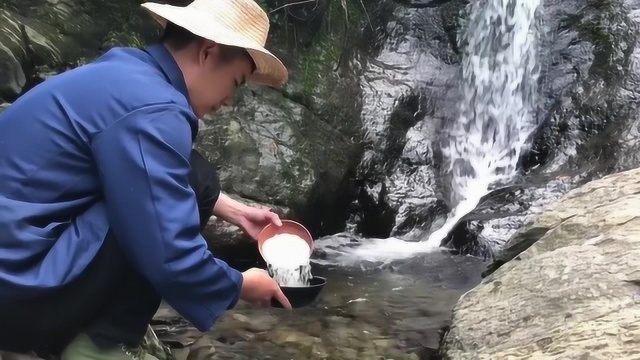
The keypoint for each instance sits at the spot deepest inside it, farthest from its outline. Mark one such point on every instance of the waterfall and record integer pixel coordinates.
(482, 146)
(499, 83)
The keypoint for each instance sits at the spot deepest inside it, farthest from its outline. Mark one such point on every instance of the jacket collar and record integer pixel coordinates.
(172, 72)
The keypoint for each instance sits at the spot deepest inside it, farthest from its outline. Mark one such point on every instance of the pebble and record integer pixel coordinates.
(284, 336)
(257, 322)
(384, 344)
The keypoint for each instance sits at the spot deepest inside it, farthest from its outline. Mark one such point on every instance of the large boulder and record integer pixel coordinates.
(589, 85)
(408, 93)
(272, 150)
(571, 288)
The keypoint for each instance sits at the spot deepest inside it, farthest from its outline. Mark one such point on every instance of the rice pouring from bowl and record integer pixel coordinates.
(287, 256)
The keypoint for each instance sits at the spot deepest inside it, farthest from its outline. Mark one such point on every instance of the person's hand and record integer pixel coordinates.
(248, 218)
(258, 288)
(252, 220)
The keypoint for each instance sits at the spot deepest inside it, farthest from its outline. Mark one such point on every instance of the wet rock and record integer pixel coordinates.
(588, 87)
(318, 351)
(298, 147)
(289, 337)
(275, 151)
(257, 322)
(11, 54)
(571, 285)
(165, 349)
(24, 45)
(486, 230)
(407, 92)
(383, 344)
(152, 345)
(348, 354)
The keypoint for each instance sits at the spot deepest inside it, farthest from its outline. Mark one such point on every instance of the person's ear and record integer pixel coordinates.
(208, 51)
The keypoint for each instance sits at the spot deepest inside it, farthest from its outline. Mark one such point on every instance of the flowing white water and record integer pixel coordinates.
(500, 75)
(498, 87)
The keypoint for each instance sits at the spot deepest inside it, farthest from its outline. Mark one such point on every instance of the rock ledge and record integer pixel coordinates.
(573, 294)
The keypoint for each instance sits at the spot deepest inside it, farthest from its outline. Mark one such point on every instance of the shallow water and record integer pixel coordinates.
(364, 312)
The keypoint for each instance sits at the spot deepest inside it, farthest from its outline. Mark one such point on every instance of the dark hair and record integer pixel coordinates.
(179, 38)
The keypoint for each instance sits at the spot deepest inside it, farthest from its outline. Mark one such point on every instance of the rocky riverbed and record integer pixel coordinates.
(395, 312)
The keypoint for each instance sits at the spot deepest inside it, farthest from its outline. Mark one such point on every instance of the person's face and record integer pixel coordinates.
(216, 78)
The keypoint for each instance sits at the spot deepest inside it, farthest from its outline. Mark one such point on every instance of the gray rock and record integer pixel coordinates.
(589, 86)
(29, 46)
(272, 150)
(12, 54)
(257, 322)
(407, 89)
(571, 294)
(290, 337)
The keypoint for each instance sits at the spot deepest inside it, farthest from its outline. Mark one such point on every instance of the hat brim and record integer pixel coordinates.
(270, 71)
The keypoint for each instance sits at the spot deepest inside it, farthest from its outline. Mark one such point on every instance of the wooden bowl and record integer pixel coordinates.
(288, 227)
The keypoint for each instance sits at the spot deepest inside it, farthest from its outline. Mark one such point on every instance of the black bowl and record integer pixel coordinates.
(303, 295)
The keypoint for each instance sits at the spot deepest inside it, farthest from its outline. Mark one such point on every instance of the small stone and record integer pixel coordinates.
(201, 349)
(241, 318)
(246, 335)
(256, 323)
(282, 337)
(348, 354)
(383, 344)
(314, 329)
(318, 351)
(337, 320)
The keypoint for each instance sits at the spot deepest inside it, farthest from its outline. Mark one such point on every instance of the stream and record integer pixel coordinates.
(392, 298)
(395, 311)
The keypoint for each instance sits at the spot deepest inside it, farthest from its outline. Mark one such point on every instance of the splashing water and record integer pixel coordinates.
(499, 83)
(500, 74)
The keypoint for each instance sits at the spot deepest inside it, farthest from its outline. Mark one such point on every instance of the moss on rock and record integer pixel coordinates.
(275, 151)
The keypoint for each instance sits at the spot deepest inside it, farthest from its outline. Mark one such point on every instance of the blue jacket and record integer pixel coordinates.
(106, 146)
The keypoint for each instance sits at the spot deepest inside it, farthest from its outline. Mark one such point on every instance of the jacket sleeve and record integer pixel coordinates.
(142, 160)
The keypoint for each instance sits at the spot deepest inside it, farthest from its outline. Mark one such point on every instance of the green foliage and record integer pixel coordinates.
(124, 20)
(263, 4)
(318, 32)
(317, 61)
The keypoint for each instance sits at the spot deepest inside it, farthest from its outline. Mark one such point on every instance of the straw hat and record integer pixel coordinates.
(240, 23)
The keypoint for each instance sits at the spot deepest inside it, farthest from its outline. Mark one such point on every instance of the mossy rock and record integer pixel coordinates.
(275, 151)
(47, 36)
